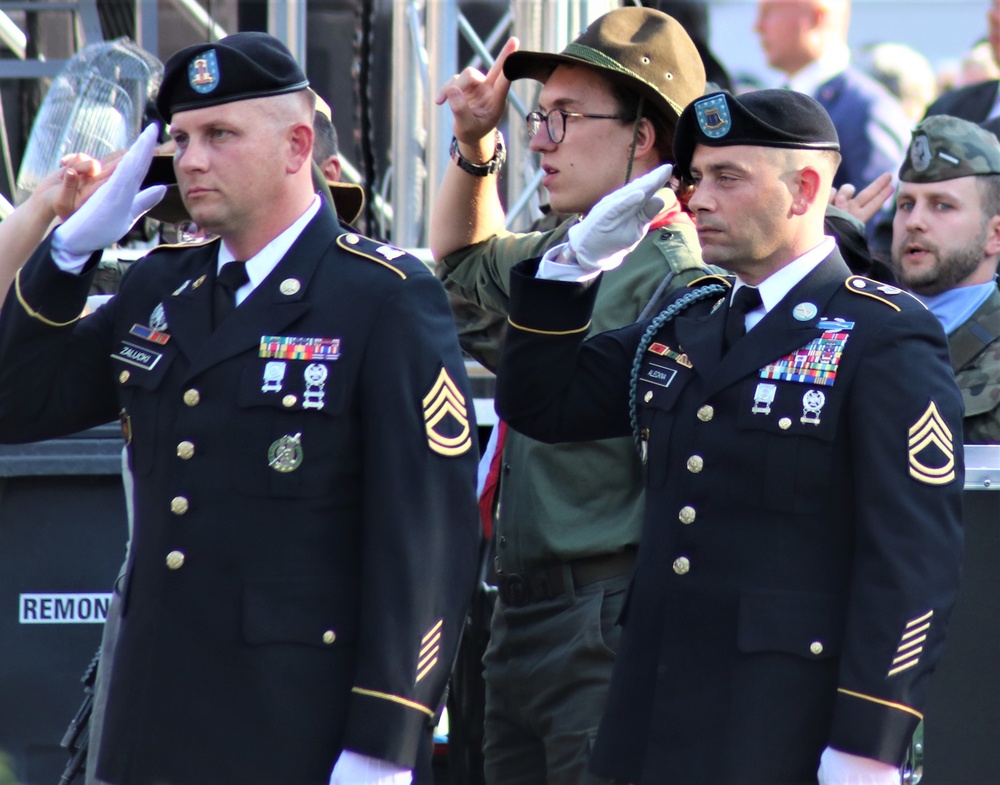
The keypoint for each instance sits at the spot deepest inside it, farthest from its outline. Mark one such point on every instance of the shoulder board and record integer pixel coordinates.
(388, 256)
(883, 292)
(181, 246)
(709, 279)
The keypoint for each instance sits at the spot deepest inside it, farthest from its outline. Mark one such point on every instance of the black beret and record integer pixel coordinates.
(761, 118)
(235, 68)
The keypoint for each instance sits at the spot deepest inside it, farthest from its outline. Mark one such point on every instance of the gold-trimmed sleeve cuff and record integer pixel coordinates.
(881, 702)
(556, 308)
(34, 313)
(410, 704)
(871, 726)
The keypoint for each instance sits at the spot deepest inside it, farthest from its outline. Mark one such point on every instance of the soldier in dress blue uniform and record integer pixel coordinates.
(303, 451)
(801, 547)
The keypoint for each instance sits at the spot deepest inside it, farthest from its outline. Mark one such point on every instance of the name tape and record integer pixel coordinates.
(64, 608)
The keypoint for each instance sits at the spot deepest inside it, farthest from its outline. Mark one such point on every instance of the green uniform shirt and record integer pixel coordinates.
(975, 358)
(565, 501)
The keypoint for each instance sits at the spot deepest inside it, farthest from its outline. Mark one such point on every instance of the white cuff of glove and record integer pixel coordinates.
(68, 262)
(353, 768)
(842, 768)
(559, 264)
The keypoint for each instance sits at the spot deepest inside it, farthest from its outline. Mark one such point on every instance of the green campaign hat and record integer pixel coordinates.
(641, 48)
(944, 147)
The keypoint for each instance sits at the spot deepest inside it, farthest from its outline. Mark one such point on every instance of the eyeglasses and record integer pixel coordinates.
(555, 122)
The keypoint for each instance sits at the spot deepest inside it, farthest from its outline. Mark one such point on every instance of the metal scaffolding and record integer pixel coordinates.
(425, 46)
(426, 37)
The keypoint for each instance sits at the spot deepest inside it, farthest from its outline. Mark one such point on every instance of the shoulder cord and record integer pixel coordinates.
(678, 305)
(657, 296)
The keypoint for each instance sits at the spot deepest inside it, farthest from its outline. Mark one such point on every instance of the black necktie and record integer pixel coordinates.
(746, 299)
(230, 278)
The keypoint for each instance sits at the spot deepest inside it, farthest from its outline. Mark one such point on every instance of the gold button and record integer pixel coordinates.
(124, 376)
(290, 286)
(179, 505)
(648, 396)
(175, 560)
(352, 239)
(185, 450)
(785, 423)
(192, 397)
(289, 401)
(329, 637)
(816, 647)
(706, 413)
(687, 515)
(682, 565)
(695, 464)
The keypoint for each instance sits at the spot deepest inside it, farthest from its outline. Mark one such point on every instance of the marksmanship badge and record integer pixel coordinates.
(285, 454)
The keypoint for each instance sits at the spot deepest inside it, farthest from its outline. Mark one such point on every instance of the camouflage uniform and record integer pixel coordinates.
(946, 148)
(975, 358)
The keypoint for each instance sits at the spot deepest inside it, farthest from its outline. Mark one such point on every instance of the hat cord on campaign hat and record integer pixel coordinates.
(635, 140)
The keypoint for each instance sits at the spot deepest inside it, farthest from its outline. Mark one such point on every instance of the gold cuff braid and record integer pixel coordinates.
(31, 311)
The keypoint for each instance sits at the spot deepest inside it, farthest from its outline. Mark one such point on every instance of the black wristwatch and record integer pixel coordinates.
(481, 170)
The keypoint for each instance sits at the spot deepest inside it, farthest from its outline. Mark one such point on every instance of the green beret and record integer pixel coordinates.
(944, 148)
(761, 118)
(641, 48)
(235, 68)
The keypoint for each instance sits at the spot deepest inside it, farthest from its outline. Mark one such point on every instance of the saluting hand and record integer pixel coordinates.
(478, 101)
(63, 191)
(866, 203)
(112, 210)
(609, 231)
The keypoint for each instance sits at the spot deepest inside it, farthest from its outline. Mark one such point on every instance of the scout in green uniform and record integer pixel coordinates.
(569, 515)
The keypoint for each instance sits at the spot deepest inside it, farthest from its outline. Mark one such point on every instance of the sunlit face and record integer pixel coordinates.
(229, 162)
(741, 205)
(938, 235)
(592, 159)
(783, 27)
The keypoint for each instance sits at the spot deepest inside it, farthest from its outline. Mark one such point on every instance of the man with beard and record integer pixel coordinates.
(945, 245)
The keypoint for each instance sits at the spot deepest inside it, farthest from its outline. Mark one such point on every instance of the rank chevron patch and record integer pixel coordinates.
(931, 449)
(446, 417)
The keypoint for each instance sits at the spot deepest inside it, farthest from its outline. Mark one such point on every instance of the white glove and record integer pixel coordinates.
(609, 231)
(842, 768)
(111, 211)
(353, 768)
